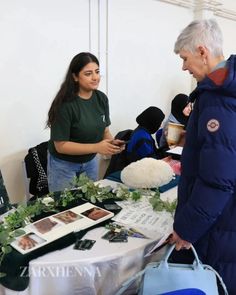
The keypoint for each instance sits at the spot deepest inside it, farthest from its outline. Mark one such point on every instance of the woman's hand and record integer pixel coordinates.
(120, 143)
(109, 147)
(179, 243)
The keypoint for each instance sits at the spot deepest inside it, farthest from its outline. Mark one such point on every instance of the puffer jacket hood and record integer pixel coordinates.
(227, 88)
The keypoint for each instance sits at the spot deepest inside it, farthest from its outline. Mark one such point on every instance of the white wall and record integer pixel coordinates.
(38, 39)
(133, 40)
(143, 69)
(229, 35)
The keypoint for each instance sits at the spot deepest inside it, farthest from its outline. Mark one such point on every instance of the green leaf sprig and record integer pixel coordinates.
(83, 188)
(159, 205)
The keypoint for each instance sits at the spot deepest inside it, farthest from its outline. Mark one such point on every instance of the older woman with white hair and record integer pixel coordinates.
(206, 210)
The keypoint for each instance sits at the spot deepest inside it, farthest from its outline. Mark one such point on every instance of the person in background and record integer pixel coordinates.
(206, 208)
(141, 143)
(79, 122)
(180, 112)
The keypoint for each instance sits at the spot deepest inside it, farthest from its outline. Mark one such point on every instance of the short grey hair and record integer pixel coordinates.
(201, 32)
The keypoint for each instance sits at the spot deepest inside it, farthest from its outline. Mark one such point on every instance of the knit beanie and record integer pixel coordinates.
(151, 119)
(178, 104)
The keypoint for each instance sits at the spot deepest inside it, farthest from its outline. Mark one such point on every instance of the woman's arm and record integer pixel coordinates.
(104, 147)
(108, 146)
(107, 134)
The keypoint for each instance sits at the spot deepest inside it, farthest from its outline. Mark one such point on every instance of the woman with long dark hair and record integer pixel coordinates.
(79, 120)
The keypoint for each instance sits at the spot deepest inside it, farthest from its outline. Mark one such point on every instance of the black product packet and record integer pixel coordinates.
(112, 207)
(119, 238)
(84, 244)
(109, 235)
(116, 236)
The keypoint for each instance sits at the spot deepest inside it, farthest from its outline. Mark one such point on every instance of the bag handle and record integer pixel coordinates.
(126, 284)
(197, 263)
(218, 277)
(164, 261)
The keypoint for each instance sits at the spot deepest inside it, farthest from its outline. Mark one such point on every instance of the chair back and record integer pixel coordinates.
(35, 166)
(158, 135)
(119, 161)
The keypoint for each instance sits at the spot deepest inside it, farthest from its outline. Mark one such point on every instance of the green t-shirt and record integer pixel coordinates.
(82, 121)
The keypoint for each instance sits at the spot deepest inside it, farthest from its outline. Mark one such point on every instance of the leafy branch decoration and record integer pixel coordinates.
(82, 188)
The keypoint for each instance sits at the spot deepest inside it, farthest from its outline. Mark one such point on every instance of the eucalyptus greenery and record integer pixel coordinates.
(159, 205)
(82, 188)
(6, 237)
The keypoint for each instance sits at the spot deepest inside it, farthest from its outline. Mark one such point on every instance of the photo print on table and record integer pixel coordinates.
(95, 213)
(29, 241)
(67, 216)
(45, 225)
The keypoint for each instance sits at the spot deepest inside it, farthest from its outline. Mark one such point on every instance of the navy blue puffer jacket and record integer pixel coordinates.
(206, 211)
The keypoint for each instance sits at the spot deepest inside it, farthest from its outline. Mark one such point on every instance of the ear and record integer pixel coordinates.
(75, 77)
(202, 50)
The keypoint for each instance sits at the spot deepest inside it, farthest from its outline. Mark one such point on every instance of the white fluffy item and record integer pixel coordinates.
(147, 173)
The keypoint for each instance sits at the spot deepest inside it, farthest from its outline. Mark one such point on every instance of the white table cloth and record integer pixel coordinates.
(99, 271)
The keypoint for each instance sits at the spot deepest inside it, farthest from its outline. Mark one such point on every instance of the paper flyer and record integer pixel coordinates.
(161, 243)
(153, 224)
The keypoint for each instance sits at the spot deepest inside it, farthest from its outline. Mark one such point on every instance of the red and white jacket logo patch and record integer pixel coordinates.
(213, 125)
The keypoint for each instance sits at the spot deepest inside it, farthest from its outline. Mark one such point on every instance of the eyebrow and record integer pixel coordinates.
(90, 71)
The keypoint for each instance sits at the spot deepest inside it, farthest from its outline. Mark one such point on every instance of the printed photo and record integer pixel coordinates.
(45, 225)
(95, 213)
(29, 241)
(67, 216)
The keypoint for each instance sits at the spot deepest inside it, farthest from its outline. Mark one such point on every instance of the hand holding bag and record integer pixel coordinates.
(172, 278)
